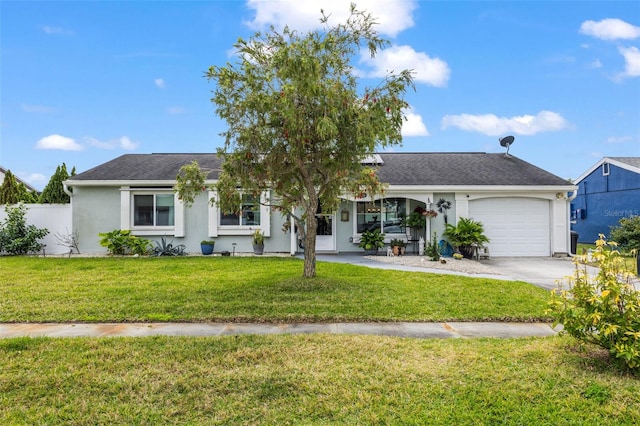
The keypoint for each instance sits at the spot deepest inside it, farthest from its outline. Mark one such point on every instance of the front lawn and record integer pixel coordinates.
(249, 289)
(311, 379)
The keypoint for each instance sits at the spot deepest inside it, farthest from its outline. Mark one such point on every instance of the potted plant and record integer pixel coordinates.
(398, 246)
(371, 241)
(430, 213)
(258, 242)
(466, 236)
(206, 246)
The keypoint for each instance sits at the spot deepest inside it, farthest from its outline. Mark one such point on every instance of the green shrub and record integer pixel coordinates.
(627, 233)
(603, 310)
(465, 235)
(371, 240)
(166, 248)
(432, 250)
(18, 238)
(121, 242)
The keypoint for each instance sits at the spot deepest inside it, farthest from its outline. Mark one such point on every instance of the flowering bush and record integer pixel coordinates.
(602, 310)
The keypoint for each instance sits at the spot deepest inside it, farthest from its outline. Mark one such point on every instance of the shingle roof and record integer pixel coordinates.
(632, 161)
(146, 167)
(396, 169)
(472, 168)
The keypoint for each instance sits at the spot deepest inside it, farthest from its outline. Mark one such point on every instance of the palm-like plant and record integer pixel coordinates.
(466, 234)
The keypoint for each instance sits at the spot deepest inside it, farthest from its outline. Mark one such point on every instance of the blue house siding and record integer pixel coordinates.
(603, 200)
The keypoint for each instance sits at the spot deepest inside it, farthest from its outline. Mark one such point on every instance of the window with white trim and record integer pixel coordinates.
(253, 213)
(385, 215)
(153, 210)
(248, 214)
(605, 169)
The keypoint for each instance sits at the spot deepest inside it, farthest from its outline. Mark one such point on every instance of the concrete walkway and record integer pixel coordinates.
(421, 330)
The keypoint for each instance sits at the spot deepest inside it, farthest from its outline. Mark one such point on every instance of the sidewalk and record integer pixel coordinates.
(420, 330)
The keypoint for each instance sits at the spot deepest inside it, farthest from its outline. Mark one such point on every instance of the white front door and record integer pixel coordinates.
(326, 232)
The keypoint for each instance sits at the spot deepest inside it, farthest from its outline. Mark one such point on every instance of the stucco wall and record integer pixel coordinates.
(97, 209)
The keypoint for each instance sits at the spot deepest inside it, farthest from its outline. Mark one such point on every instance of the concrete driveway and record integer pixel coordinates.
(541, 271)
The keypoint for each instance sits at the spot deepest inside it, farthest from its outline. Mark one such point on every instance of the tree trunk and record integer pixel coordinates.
(310, 247)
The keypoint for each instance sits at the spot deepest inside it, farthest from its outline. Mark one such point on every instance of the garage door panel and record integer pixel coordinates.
(515, 226)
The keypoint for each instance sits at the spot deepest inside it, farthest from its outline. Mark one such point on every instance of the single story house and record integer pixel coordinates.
(524, 209)
(607, 192)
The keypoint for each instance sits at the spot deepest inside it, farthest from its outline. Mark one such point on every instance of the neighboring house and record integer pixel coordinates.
(607, 192)
(3, 171)
(525, 210)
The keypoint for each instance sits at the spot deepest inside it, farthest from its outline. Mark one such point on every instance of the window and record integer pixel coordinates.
(605, 169)
(249, 214)
(368, 215)
(154, 210)
(393, 212)
(386, 215)
(254, 213)
(151, 211)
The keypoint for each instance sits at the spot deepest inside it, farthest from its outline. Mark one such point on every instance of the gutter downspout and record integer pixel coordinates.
(66, 189)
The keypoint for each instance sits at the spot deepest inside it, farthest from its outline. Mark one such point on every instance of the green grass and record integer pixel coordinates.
(289, 379)
(311, 379)
(630, 262)
(241, 289)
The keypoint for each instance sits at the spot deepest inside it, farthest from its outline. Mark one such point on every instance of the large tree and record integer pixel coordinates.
(54, 191)
(300, 124)
(12, 191)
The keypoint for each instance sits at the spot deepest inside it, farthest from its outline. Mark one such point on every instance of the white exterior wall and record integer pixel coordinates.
(54, 217)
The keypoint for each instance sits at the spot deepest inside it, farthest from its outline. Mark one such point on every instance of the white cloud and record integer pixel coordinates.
(413, 126)
(39, 109)
(620, 139)
(176, 110)
(632, 62)
(122, 143)
(127, 144)
(159, 82)
(492, 125)
(58, 142)
(432, 71)
(393, 16)
(610, 29)
(596, 64)
(35, 179)
(47, 29)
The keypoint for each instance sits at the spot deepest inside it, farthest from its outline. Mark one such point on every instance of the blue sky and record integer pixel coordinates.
(83, 82)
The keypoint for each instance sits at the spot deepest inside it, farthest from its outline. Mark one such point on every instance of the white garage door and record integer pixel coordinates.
(515, 226)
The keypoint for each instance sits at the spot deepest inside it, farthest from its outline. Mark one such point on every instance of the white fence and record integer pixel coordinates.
(55, 217)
